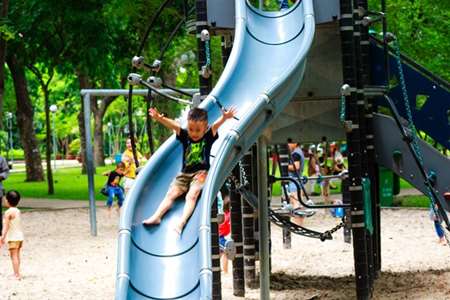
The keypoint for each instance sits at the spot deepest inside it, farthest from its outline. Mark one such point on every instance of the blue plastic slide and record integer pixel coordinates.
(264, 71)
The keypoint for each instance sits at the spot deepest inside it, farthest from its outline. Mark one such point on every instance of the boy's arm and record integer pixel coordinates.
(6, 220)
(226, 114)
(167, 122)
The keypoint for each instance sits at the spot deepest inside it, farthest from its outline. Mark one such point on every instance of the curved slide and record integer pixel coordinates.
(263, 72)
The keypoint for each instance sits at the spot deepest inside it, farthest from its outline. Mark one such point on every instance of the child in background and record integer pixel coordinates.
(197, 140)
(224, 234)
(438, 226)
(12, 233)
(113, 186)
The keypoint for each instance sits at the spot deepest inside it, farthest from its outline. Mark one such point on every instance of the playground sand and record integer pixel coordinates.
(60, 260)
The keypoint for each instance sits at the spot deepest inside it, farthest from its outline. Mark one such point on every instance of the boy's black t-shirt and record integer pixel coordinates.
(114, 178)
(196, 154)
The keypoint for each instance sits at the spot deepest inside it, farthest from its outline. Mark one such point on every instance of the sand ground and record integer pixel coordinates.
(60, 260)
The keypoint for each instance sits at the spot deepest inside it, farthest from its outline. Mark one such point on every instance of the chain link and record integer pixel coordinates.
(406, 100)
(342, 110)
(412, 128)
(208, 53)
(281, 221)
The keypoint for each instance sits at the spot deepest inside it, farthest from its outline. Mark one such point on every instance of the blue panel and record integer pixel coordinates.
(433, 117)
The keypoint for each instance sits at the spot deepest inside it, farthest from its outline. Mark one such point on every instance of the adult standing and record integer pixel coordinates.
(130, 166)
(4, 173)
(295, 169)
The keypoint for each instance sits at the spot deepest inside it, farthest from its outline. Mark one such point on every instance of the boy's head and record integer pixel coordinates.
(13, 198)
(128, 143)
(292, 144)
(197, 123)
(120, 167)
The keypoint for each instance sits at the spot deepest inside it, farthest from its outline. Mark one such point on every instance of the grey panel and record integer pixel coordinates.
(388, 139)
(326, 10)
(323, 75)
(308, 121)
(220, 13)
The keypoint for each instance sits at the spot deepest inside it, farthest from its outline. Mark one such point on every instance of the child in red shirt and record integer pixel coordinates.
(224, 233)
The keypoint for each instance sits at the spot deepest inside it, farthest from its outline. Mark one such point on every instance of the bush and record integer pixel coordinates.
(74, 147)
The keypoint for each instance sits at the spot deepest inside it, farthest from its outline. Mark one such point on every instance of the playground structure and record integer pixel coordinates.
(260, 88)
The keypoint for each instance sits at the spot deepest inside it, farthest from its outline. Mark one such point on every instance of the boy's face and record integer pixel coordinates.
(196, 129)
(120, 170)
(292, 146)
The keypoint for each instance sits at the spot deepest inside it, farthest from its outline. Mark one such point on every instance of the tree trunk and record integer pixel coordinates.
(48, 148)
(99, 112)
(24, 116)
(4, 14)
(84, 84)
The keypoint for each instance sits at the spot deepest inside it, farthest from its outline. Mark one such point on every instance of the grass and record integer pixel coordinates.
(70, 184)
(412, 201)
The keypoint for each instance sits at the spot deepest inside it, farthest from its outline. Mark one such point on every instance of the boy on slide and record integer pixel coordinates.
(197, 140)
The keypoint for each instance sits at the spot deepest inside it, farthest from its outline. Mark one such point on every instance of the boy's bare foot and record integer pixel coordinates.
(18, 277)
(153, 220)
(179, 228)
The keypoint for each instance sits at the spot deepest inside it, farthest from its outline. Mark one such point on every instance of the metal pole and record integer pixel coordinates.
(261, 3)
(54, 140)
(90, 164)
(263, 211)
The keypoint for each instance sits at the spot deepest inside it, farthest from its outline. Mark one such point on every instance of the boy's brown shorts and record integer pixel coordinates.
(14, 245)
(185, 180)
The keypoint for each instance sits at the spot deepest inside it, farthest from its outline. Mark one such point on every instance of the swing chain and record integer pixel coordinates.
(412, 127)
(328, 234)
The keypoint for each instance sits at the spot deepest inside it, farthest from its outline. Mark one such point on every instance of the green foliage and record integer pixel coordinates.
(74, 147)
(422, 28)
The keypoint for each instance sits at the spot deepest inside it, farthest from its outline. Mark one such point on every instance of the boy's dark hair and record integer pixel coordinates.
(13, 197)
(120, 165)
(291, 141)
(198, 114)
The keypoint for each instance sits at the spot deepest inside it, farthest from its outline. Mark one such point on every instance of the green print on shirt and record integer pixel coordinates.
(194, 153)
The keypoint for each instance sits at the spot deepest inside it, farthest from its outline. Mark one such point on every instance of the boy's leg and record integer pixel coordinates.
(189, 206)
(120, 197)
(172, 194)
(438, 228)
(14, 253)
(224, 262)
(110, 200)
(295, 204)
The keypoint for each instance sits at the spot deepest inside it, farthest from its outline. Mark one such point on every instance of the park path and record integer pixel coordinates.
(49, 204)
